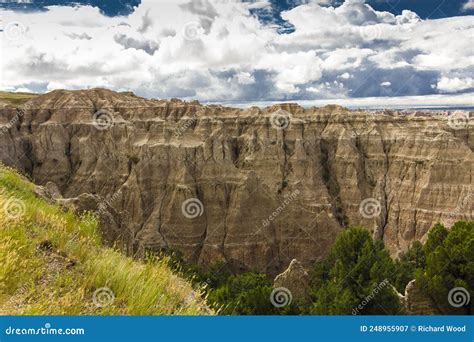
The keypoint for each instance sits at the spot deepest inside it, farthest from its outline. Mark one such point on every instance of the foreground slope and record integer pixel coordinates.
(53, 262)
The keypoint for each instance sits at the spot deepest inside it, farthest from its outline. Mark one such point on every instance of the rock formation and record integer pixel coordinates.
(416, 301)
(264, 185)
(296, 280)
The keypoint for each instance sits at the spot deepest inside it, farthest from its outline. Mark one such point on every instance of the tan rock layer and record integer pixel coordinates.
(268, 195)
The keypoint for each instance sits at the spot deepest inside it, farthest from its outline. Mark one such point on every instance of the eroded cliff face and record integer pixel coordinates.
(268, 185)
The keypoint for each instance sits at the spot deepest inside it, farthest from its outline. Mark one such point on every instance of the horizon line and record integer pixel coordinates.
(432, 101)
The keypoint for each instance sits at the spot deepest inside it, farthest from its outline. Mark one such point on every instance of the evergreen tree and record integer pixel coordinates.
(355, 278)
(244, 294)
(409, 262)
(449, 265)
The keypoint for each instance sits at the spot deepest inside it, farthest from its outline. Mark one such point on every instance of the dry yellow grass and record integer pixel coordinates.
(54, 263)
(15, 99)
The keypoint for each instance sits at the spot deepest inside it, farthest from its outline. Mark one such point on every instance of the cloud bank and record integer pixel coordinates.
(221, 51)
(469, 5)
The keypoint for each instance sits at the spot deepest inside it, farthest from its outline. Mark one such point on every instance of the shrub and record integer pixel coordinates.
(449, 264)
(355, 277)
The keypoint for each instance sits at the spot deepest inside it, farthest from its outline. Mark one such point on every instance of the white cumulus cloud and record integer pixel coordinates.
(469, 5)
(452, 85)
(221, 51)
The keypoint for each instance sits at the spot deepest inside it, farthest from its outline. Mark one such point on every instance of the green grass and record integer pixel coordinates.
(15, 99)
(61, 278)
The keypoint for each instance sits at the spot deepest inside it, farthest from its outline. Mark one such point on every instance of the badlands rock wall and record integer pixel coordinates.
(256, 187)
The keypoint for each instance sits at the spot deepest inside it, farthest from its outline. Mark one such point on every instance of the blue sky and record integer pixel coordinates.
(424, 8)
(242, 51)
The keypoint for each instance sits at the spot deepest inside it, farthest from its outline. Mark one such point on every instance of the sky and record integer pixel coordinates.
(232, 51)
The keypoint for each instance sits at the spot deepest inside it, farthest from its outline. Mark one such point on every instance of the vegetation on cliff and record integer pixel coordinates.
(53, 262)
(15, 99)
(358, 277)
(449, 258)
(356, 266)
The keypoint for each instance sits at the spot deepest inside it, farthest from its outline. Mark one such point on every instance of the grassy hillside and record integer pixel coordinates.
(15, 99)
(53, 262)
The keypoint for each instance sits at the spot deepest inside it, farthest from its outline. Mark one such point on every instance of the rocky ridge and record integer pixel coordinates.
(264, 185)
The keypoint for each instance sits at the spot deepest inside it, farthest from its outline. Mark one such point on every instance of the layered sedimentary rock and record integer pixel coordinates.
(417, 302)
(296, 280)
(255, 187)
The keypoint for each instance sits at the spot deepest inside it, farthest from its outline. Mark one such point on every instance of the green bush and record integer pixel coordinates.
(243, 294)
(355, 278)
(408, 264)
(449, 264)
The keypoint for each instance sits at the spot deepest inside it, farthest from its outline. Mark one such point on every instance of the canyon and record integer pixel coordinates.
(254, 187)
